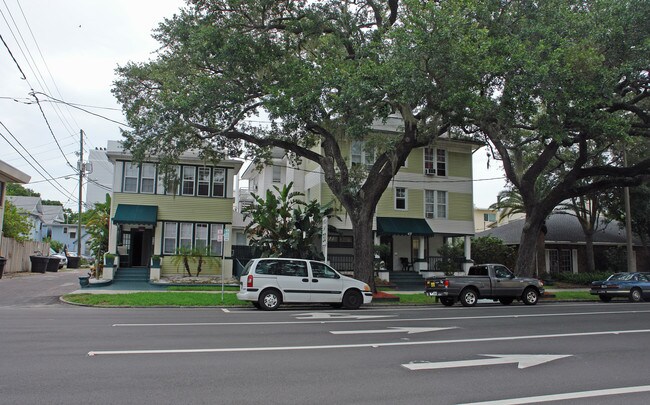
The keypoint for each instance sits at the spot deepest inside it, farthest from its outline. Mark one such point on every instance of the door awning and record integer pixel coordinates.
(403, 226)
(136, 214)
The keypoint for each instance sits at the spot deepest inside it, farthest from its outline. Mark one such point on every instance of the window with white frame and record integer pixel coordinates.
(435, 204)
(360, 154)
(435, 161)
(185, 240)
(131, 174)
(277, 174)
(203, 182)
(400, 198)
(216, 240)
(171, 184)
(201, 237)
(148, 178)
(170, 234)
(189, 175)
(219, 182)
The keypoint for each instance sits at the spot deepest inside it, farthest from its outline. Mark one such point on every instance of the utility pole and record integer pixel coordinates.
(81, 178)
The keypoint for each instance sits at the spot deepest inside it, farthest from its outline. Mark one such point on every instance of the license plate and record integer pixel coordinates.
(432, 293)
(601, 292)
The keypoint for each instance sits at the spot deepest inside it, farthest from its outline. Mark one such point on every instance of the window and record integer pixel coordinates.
(560, 261)
(219, 183)
(489, 217)
(216, 240)
(170, 233)
(201, 237)
(171, 186)
(360, 155)
(501, 272)
(321, 270)
(73, 235)
(189, 175)
(185, 241)
(131, 173)
(400, 198)
(148, 178)
(435, 161)
(277, 174)
(65, 230)
(203, 187)
(435, 204)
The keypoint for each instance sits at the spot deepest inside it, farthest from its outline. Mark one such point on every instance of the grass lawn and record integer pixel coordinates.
(208, 296)
(201, 288)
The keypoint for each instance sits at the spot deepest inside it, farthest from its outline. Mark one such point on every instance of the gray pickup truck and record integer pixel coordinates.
(489, 281)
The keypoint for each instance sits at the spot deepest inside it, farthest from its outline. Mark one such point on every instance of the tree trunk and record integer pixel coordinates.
(589, 251)
(363, 249)
(525, 265)
(541, 253)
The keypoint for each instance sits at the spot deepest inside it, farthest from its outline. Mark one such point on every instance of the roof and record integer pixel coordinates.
(52, 214)
(10, 174)
(403, 226)
(562, 229)
(31, 205)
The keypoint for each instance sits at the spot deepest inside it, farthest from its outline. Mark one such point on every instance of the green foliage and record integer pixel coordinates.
(489, 249)
(580, 278)
(97, 227)
(16, 225)
(283, 225)
(55, 244)
(615, 259)
(452, 257)
(20, 190)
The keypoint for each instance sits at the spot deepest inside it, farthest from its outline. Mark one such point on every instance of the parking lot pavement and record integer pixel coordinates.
(29, 289)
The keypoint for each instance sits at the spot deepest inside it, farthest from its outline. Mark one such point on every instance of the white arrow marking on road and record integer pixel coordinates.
(523, 361)
(329, 315)
(408, 331)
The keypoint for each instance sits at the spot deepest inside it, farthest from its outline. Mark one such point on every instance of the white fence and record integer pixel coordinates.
(17, 254)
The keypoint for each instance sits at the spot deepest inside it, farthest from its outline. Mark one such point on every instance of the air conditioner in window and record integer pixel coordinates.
(430, 172)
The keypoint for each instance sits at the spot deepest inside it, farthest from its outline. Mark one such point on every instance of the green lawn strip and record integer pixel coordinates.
(413, 299)
(575, 295)
(156, 299)
(201, 288)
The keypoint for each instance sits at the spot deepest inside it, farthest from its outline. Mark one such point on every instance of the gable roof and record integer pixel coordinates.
(562, 229)
(31, 205)
(53, 214)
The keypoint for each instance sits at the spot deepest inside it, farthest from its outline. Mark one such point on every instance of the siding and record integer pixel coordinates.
(178, 208)
(460, 164)
(414, 203)
(460, 207)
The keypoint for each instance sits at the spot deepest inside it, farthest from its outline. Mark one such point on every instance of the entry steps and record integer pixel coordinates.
(131, 274)
(407, 280)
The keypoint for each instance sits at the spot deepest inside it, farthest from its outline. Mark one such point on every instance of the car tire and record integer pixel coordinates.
(636, 295)
(604, 298)
(530, 296)
(270, 300)
(448, 302)
(506, 301)
(352, 299)
(468, 297)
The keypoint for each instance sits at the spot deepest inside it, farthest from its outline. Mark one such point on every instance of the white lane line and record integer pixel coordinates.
(566, 396)
(452, 318)
(225, 310)
(521, 360)
(408, 331)
(365, 345)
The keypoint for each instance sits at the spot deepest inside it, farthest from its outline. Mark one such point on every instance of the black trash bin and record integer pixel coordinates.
(39, 263)
(53, 264)
(2, 265)
(73, 262)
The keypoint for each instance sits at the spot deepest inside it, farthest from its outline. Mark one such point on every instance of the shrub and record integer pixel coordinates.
(580, 278)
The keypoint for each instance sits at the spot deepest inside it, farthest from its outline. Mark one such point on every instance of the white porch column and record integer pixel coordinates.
(468, 253)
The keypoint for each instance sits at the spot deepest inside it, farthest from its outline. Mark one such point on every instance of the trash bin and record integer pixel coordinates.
(2, 265)
(53, 264)
(39, 263)
(73, 262)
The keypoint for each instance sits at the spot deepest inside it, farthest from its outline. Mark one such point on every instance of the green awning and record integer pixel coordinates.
(403, 226)
(136, 214)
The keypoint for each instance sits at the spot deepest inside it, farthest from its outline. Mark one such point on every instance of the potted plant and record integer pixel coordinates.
(109, 258)
(155, 261)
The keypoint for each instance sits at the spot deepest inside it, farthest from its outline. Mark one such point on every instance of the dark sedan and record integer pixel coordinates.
(633, 286)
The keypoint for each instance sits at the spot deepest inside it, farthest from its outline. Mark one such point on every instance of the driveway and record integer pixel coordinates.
(38, 289)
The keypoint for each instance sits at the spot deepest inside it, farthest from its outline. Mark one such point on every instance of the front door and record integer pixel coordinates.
(140, 247)
(505, 284)
(326, 284)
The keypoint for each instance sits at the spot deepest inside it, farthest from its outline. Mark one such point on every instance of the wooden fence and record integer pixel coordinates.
(17, 254)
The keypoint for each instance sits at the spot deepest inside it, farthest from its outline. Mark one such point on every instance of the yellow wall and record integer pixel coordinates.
(460, 207)
(178, 208)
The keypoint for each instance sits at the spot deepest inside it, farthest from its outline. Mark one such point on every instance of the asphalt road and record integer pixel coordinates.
(54, 353)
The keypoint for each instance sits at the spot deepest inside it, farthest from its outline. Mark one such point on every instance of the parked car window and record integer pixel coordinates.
(501, 272)
(620, 277)
(321, 270)
(478, 271)
(292, 268)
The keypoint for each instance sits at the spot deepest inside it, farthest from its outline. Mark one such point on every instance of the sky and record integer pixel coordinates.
(68, 50)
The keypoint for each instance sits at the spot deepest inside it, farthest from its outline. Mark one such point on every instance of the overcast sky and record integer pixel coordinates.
(68, 49)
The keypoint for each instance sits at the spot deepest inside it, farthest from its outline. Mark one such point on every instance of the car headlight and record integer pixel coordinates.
(366, 287)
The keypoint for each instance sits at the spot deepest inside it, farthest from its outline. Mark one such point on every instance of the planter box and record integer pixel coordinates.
(53, 264)
(73, 262)
(84, 281)
(39, 263)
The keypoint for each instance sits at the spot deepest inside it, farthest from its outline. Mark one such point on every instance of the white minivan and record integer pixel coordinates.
(268, 282)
